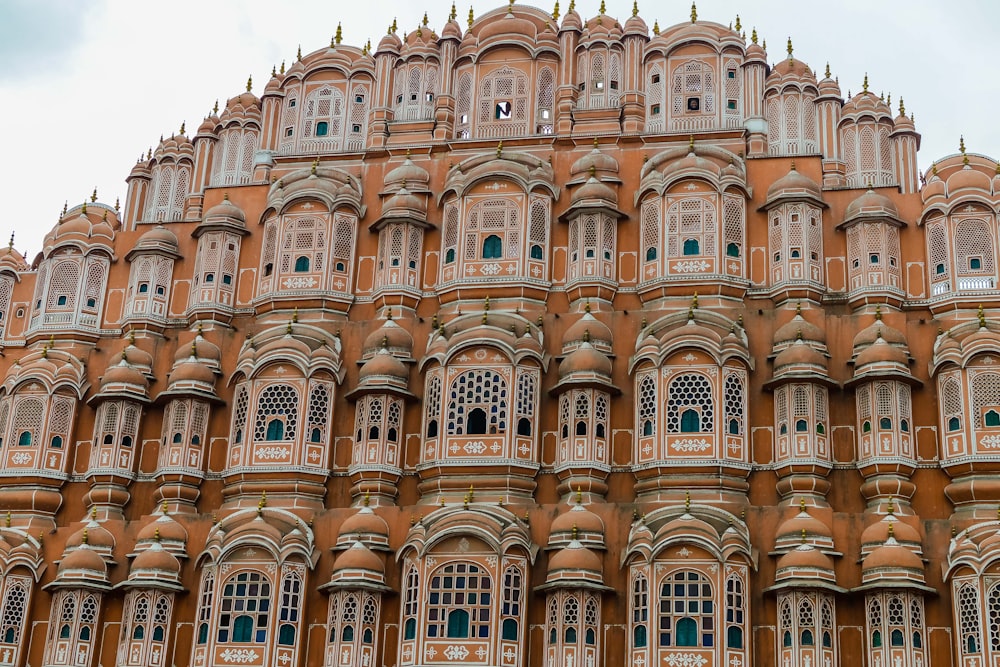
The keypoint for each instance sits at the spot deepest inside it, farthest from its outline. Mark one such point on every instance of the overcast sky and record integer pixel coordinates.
(88, 85)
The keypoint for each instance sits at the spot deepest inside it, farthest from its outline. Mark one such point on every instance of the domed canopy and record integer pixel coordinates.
(579, 524)
(155, 567)
(872, 206)
(805, 565)
(160, 240)
(358, 568)
(793, 186)
(588, 328)
(574, 566)
(364, 526)
(389, 336)
(803, 527)
(892, 564)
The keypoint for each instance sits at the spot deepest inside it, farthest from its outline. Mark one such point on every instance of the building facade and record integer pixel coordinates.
(537, 341)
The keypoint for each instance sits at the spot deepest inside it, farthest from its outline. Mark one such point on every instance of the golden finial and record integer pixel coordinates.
(826, 73)
(454, 12)
(84, 539)
(315, 164)
(425, 21)
(981, 316)
(194, 349)
(281, 71)
(117, 204)
(763, 45)
(586, 306)
(555, 12)
(798, 334)
(579, 495)
(8, 518)
(368, 47)
(163, 508)
(586, 336)
(934, 168)
(249, 83)
(500, 149)
(465, 501)
(603, 9)
(803, 536)
(739, 26)
(572, 5)
(83, 211)
(149, 153)
(891, 530)
(183, 125)
(262, 503)
(694, 13)
(298, 54)
(274, 71)
(367, 499)
(156, 535)
(889, 507)
(687, 501)
(472, 17)
(472, 493)
(510, 8)
(864, 86)
(540, 321)
(93, 196)
(295, 315)
(694, 300)
(888, 100)
(691, 144)
(656, 27)
(338, 37)
(10, 246)
(635, 8)
(753, 35)
(902, 107)
(802, 504)
(575, 531)
(788, 47)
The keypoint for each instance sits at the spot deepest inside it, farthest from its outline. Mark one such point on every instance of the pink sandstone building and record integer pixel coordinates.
(537, 341)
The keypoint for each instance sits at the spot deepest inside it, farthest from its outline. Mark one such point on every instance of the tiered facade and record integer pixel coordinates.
(542, 341)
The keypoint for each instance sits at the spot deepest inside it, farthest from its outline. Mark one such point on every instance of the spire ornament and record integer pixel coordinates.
(694, 13)
(635, 8)
(249, 83)
(753, 35)
(864, 86)
(555, 12)
(788, 47)
(739, 26)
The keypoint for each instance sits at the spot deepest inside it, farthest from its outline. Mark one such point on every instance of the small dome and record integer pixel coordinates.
(390, 336)
(156, 559)
(589, 326)
(890, 559)
(97, 537)
(866, 102)
(192, 371)
(158, 237)
(794, 184)
(969, 178)
(790, 69)
(384, 365)
(685, 525)
(803, 521)
(585, 359)
(805, 560)
(408, 174)
(880, 352)
(878, 329)
(636, 26)
(452, 30)
(798, 327)
(359, 557)
(164, 529)
(580, 518)
(575, 558)
(877, 534)
(593, 190)
(199, 348)
(572, 21)
(829, 86)
(364, 522)
(595, 160)
(123, 374)
(799, 354)
(871, 204)
(226, 209)
(390, 42)
(84, 558)
(208, 126)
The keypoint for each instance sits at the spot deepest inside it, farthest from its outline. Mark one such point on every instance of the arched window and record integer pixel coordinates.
(275, 430)
(691, 247)
(690, 404)
(687, 611)
(492, 247)
(247, 595)
(640, 611)
(302, 265)
(459, 602)
(690, 422)
(478, 403)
